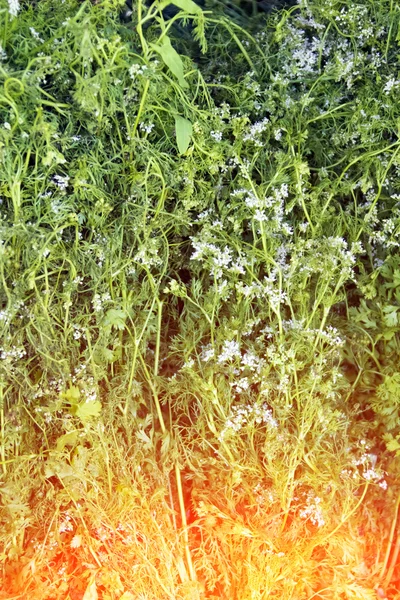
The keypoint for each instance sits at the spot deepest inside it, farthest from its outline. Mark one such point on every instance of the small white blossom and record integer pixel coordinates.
(35, 34)
(61, 182)
(146, 128)
(230, 350)
(76, 541)
(13, 8)
(313, 511)
(216, 135)
(390, 85)
(207, 353)
(135, 70)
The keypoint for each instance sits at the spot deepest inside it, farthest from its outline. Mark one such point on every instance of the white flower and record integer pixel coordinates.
(146, 128)
(136, 69)
(7, 125)
(230, 350)
(188, 364)
(13, 7)
(207, 353)
(35, 34)
(217, 135)
(255, 131)
(313, 511)
(390, 84)
(61, 182)
(76, 541)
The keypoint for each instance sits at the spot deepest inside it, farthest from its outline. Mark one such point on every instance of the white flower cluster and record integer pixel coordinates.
(66, 524)
(13, 8)
(313, 510)
(267, 289)
(36, 35)
(331, 336)
(10, 355)
(263, 495)
(148, 255)
(247, 415)
(147, 128)
(89, 389)
(255, 132)
(221, 260)
(99, 300)
(391, 84)
(78, 331)
(136, 70)
(61, 182)
(207, 353)
(303, 53)
(252, 362)
(242, 385)
(216, 135)
(230, 351)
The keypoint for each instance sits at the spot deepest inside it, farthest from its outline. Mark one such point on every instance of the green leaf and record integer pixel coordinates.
(68, 439)
(58, 468)
(187, 5)
(114, 318)
(165, 444)
(172, 59)
(108, 354)
(390, 317)
(91, 591)
(392, 444)
(72, 395)
(183, 129)
(87, 410)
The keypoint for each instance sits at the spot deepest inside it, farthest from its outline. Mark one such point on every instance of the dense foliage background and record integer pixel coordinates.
(199, 287)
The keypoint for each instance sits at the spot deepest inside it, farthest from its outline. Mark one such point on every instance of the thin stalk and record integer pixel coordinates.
(157, 352)
(393, 562)
(343, 521)
(184, 523)
(3, 435)
(390, 542)
(141, 107)
(155, 395)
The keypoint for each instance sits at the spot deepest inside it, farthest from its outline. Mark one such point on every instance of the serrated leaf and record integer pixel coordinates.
(114, 318)
(183, 129)
(108, 354)
(87, 410)
(58, 468)
(390, 318)
(393, 445)
(127, 596)
(91, 592)
(72, 395)
(143, 437)
(68, 439)
(166, 442)
(172, 59)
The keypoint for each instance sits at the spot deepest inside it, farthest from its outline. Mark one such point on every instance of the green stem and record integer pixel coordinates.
(184, 522)
(390, 542)
(142, 103)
